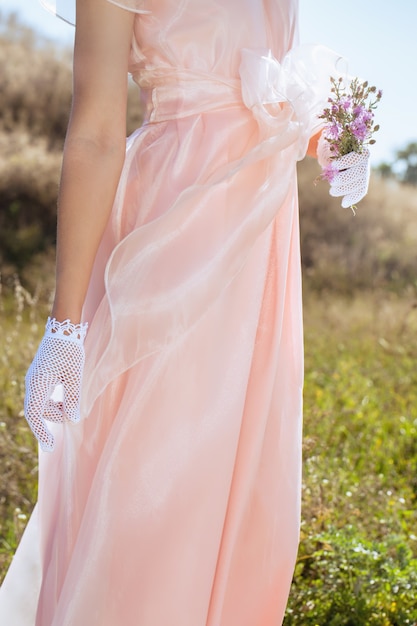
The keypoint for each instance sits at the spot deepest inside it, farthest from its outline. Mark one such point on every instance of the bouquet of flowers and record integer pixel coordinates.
(348, 131)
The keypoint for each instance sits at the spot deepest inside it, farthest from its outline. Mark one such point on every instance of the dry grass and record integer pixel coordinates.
(341, 252)
(372, 249)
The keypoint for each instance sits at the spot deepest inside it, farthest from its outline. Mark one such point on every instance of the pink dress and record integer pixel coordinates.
(176, 501)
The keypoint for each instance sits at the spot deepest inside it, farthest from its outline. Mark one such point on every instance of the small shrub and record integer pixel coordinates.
(373, 249)
(36, 84)
(344, 579)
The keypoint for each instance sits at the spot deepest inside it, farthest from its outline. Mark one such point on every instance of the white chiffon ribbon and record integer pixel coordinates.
(293, 91)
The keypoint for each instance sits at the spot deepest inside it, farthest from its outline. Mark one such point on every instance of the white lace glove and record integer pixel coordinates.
(59, 361)
(351, 173)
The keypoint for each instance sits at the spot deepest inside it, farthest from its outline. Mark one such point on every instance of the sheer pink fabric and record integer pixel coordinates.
(177, 498)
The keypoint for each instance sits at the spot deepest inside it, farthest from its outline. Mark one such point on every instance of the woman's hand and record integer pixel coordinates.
(59, 361)
(351, 179)
(349, 174)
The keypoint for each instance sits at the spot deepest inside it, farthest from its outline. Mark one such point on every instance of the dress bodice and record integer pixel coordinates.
(207, 37)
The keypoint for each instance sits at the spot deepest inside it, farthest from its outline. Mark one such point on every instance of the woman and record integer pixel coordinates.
(175, 499)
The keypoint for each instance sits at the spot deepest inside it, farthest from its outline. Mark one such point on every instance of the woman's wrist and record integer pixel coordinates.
(66, 310)
(312, 145)
(69, 297)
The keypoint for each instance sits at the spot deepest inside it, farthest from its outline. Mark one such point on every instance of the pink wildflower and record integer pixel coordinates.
(359, 129)
(329, 172)
(349, 118)
(346, 103)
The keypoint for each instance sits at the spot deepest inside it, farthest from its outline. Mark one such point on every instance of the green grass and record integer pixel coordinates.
(21, 326)
(357, 562)
(358, 555)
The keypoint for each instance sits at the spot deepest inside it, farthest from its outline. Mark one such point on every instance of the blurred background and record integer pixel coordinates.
(358, 555)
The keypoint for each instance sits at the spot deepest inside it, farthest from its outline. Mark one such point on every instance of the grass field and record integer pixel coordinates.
(357, 562)
(358, 555)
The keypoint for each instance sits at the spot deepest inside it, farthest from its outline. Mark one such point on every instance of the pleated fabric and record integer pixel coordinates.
(176, 500)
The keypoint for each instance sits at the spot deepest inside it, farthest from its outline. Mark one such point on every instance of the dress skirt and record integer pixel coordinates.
(176, 499)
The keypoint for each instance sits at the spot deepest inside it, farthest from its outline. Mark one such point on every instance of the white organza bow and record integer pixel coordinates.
(293, 91)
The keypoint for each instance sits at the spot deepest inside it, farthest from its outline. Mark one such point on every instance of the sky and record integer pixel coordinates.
(377, 38)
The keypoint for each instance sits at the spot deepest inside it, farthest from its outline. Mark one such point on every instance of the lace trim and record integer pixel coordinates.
(66, 330)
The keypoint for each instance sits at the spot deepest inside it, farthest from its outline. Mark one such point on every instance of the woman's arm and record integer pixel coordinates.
(312, 145)
(94, 147)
